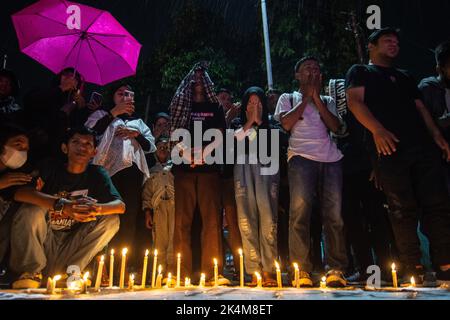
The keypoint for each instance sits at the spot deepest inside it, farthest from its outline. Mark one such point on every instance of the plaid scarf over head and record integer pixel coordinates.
(181, 105)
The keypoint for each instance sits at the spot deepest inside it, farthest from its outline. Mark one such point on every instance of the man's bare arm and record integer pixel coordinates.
(433, 128)
(289, 119)
(385, 141)
(331, 121)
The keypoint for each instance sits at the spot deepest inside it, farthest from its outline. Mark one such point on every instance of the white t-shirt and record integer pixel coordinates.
(309, 137)
(447, 98)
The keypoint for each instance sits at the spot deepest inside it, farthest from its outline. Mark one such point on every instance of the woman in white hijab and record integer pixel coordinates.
(124, 141)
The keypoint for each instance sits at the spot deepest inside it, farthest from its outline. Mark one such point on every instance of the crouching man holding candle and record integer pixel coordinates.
(70, 220)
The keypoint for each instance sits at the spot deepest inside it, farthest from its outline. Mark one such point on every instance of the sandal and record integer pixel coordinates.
(269, 281)
(253, 283)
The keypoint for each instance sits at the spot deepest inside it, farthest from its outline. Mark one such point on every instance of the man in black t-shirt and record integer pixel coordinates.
(70, 220)
(388, 103)
(195, 105)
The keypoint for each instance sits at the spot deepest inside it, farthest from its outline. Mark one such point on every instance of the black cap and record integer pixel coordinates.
(377, 34)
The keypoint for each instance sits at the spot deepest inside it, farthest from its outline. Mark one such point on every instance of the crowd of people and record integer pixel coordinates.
(368, 185)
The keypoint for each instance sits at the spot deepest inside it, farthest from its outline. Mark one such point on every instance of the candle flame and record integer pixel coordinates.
(179, 255)
(86, 276)
(240, 252)
(155, 253)
(413, 282)
(215, 262)
(159, 269)
(112, 252)
(324, 279)
(56, 278)
(277, 266)
(132, 276)
(124, 251)
(258, 276)
(393, 267)
(102, 258)
(146, 253)
(203, 276)
(296, 266)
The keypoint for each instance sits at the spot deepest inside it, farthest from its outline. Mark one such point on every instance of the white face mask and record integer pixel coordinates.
(13, 158)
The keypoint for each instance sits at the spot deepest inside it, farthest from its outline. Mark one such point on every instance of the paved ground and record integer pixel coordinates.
(225, 293)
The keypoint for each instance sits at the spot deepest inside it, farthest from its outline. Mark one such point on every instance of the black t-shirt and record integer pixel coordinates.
(390, 95)
(211, 116)
(94, 182)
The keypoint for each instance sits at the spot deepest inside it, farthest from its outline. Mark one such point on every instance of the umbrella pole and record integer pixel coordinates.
(147, 109)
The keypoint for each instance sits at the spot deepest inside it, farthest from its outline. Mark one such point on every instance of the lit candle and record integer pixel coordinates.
(279, 282)
(144, 269)
(187, 282)
(216, 273)
(323, 283)
(158, 283)
(296, 276)
(131, 282)
(413, 282)
(51, 284)
(84, 282)
(241, 267)
(50, 287)
(169, 280)
(202, 280)
(178, 269)
(394, 276)
(122, 269)
(258, 280)
(98, 280)
(111, 269)
(155, 260)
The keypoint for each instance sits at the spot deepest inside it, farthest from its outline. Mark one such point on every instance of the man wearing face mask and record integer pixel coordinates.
(69, 220)
(13, 156)
(436, 92)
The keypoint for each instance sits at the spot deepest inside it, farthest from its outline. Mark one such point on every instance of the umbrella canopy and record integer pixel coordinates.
(61, 34)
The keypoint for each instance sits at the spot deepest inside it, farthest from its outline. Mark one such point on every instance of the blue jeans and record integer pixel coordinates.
(257, 208)
(307, 179)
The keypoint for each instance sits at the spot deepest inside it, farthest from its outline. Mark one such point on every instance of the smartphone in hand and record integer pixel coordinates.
(96, 99)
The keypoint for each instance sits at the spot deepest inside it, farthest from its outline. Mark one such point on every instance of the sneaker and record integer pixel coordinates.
(304, 280)
(28, 281)
(336, 279)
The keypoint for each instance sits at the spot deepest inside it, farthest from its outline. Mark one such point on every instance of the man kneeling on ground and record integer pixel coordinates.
(70, 220)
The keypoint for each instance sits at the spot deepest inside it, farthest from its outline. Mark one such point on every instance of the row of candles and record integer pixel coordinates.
(156, 282)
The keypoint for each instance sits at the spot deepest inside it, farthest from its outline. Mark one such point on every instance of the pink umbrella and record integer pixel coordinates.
(61, 34)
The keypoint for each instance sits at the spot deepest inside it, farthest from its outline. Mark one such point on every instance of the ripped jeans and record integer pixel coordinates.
(257, 208)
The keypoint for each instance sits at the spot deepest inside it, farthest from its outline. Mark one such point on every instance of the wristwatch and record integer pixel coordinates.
(58, 206)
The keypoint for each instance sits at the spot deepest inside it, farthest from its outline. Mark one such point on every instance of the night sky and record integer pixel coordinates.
(424, 23)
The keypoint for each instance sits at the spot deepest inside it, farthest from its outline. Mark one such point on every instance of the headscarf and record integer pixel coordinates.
(181, 105)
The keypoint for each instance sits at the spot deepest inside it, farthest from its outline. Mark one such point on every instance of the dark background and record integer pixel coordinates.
(158, 25)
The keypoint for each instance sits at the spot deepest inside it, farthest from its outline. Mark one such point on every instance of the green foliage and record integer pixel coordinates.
(221, 69)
